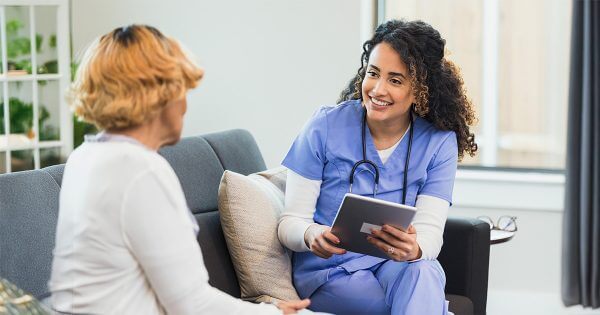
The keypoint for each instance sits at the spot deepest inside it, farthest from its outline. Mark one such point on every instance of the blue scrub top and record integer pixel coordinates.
(327, 148)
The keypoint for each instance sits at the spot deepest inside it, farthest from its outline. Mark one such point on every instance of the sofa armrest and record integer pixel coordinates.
(465, 257)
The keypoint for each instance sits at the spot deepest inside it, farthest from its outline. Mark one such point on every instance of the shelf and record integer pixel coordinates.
(29, 77)
(18, 142)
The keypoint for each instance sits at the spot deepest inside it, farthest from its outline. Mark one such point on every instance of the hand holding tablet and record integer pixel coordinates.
(358, 215)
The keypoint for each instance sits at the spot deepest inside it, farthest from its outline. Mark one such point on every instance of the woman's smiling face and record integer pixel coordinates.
(386, 89)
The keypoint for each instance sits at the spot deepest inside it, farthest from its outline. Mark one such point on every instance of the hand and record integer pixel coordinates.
(291, 307)
(321, 241)
(398, 244)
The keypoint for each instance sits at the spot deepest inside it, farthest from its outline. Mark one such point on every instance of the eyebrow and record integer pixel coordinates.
(390, 73)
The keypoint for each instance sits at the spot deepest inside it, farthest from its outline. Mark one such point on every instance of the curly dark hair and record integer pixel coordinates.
(440, 97)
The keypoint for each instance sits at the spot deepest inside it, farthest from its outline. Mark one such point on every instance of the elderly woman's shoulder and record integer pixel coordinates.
(122, 158)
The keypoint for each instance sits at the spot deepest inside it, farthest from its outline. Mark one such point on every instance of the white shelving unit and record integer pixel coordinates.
(37, 16)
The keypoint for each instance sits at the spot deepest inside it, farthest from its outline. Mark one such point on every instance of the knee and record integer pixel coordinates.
(430, 269)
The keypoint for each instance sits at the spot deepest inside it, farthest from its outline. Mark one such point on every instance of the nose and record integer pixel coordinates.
(379, 88)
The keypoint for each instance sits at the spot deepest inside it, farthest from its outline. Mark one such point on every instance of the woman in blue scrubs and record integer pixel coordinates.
(408, 106)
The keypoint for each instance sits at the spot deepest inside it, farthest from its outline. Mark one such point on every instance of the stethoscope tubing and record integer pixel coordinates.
(374, 166)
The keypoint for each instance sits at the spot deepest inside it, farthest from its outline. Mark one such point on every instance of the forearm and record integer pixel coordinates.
(429, 222)
(218, 302)
(301, 196)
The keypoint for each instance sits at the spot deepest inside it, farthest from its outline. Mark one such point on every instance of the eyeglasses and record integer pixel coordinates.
(504, 223)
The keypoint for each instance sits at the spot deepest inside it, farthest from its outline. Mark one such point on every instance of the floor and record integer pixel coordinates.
(530, 303)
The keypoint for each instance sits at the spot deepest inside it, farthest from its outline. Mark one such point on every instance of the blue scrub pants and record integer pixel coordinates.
(388, 287)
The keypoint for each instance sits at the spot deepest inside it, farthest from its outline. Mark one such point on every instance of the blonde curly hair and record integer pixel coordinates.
(127, 77)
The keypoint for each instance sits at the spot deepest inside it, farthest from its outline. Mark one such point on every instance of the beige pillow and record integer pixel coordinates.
(250, 207)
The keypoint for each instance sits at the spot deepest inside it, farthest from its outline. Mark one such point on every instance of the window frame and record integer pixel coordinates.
(489, 116)
(63, 77)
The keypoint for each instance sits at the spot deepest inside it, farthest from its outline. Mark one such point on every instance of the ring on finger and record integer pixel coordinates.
(391, 250)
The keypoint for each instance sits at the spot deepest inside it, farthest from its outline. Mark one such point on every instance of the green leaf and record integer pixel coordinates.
(13, 26)
(80, 129)
(38, 42)
(21, 116)
(52, 42)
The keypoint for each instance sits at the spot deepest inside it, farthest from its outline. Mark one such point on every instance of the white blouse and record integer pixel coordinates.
(125, 243)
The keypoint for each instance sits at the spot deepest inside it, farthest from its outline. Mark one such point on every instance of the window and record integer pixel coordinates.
(514, 58)
(35, 123)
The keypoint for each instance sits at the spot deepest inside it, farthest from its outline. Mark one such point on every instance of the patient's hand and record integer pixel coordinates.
(321, 241)
(292, 307)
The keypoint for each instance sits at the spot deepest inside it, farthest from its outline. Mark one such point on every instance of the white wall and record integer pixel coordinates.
(269, 63)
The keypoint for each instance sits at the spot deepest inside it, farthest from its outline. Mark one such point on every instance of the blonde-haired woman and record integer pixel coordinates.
(125, 241)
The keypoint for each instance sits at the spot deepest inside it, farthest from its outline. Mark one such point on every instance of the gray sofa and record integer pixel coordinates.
(29, 208)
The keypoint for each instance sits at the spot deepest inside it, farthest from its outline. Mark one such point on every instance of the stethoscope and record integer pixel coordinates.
(365, 161)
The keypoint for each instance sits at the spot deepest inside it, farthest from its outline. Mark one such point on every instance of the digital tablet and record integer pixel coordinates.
(359, 214)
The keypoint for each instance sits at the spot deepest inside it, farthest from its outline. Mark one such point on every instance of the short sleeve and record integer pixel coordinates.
(442, 170)
(306, 157)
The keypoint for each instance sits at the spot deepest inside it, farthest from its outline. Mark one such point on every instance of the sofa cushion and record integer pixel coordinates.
(198, 170)
(215, 254)
(459, 305)
(28, 216)
(250, 207)
(56, 171)
(237, 151)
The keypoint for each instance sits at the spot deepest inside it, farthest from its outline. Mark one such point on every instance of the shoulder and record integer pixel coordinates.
(117, 159)
(352, 108)
(439, 145)
(433, 135)
(328, 116)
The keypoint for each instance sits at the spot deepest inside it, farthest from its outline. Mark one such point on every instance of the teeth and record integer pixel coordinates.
(380, 103)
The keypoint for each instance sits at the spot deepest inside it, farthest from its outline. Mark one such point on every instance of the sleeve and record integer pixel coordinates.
(161, 238)
(442, 170)
(307, 154)
(301, 196)
(429, 222)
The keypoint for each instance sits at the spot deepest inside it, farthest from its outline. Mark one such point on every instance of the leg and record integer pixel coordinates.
(350, 293)
(414, 288)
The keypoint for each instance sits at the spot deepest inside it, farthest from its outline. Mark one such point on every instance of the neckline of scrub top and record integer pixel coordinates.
(393, 159)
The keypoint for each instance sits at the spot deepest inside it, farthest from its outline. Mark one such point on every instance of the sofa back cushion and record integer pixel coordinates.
(28, 216)
(237, 151)
(198, 170)
(199, 162)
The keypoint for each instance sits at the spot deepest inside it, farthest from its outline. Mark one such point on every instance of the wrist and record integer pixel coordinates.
(418, 254)
(311, 233)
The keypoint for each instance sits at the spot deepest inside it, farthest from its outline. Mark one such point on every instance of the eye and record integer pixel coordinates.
(396, 81)
(372, 74)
